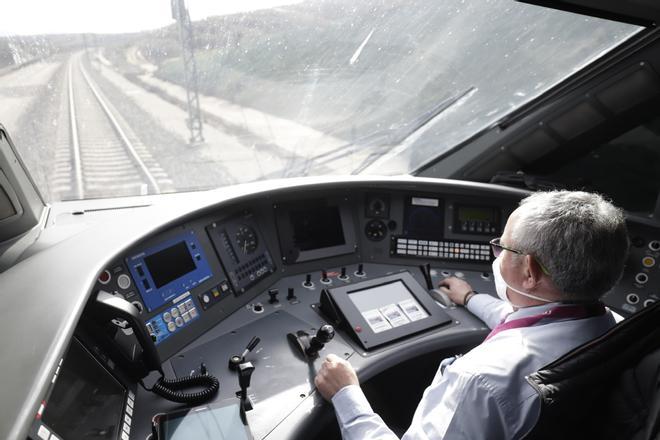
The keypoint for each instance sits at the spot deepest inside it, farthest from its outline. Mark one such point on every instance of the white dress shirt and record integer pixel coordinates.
(483, 394)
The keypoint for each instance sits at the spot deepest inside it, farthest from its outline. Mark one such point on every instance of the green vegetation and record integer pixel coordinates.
(278, 61)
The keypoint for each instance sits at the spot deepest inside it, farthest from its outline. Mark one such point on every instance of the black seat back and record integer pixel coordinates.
(608, 388)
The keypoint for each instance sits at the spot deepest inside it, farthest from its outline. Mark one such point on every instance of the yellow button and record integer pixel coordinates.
(648, 261)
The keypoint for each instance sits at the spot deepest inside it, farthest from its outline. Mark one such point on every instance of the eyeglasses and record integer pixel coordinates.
(497, 248)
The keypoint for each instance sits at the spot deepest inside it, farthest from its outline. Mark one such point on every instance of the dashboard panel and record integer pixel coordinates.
(192, 276)
(262, 265)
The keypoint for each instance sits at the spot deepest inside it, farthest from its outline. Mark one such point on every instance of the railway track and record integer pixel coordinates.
(105, 157)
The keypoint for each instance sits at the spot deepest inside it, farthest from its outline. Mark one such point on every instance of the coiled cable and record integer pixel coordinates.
(170, 389)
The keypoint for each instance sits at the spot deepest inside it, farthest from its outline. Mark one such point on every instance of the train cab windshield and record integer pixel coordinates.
(205, 206)
(217, 94)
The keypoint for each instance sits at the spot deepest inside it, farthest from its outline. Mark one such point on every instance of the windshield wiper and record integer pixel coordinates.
(390, 137)
(420, 121)
(416, 126)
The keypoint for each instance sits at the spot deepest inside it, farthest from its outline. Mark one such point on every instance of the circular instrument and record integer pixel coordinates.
(246, 239)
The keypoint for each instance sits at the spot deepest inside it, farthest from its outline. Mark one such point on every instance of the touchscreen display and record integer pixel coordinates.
(87, 401)
(205, 423)
(316, 228)
(169, 264)
(388, 306)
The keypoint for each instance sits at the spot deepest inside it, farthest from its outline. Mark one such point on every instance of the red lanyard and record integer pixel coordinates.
(576, 311)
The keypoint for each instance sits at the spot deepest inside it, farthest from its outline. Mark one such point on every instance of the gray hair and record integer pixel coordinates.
(579, 237)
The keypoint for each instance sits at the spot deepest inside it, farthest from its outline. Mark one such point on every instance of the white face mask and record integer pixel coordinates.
(501, 286)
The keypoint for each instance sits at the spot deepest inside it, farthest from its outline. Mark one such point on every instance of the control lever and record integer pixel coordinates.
(236, 360)
(324, 276)
(360, 271)
(308, 281)
(343, 275)
(272, 293)
(426, 273)
(441, 297)
(245, 371)
(309, 345)
(290, 295)
(436, 294)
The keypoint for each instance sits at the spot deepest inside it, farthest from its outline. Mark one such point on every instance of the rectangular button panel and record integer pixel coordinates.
(172, 319)
(445, 250)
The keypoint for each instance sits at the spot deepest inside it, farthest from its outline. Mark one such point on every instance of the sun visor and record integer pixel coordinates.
(638, 12)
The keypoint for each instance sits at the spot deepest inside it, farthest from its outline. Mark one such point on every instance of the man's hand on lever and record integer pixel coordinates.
(458, 290)
(335, 374)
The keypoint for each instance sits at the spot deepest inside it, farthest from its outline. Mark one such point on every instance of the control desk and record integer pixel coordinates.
(280, 265)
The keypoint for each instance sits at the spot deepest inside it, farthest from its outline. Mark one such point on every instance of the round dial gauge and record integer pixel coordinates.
(246, 239)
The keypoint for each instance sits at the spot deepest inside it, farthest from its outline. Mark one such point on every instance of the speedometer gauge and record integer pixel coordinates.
(246, 239)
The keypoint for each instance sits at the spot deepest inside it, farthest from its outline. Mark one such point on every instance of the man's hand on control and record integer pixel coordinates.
(335, 374)
(456, 289)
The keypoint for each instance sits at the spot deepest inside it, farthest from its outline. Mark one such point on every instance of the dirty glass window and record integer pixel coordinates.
(119, 98)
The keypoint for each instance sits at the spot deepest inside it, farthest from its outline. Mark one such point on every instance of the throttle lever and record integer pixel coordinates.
(309, 345)
(426, 273)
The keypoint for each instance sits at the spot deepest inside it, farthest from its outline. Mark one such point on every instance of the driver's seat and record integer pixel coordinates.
(608, 388)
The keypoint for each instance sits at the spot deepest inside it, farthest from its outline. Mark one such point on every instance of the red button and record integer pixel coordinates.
(358, 329)
(104, 277)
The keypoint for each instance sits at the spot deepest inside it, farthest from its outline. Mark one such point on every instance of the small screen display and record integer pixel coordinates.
(466, 214)
(169, 264)
(476, 220)
(388, 306)
(87, 401)
(423, 219)
(316, 228)
(205, 423)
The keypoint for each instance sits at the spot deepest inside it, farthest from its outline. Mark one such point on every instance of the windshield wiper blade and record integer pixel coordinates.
(420, 122)
(390, 137)
(426, 117)
(381, 141)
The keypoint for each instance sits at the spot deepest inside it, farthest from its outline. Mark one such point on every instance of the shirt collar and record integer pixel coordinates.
(531, 311)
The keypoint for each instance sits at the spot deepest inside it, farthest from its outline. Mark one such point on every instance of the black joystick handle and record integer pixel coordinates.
(360, 271)
(324, 276)
(272, 293)
(322, 337)
(308, 345)
(308, 280)
(343, 273)
(290, 294)
(325, 334)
